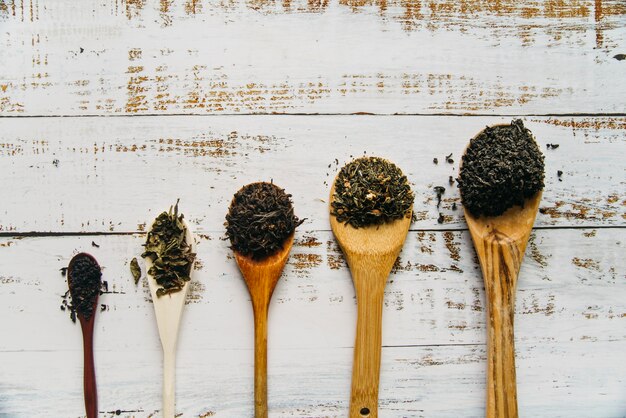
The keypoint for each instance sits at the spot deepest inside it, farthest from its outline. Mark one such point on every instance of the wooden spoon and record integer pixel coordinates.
(500, 243)
(261, 278)
(86, 325)
(370, 252)
(169, 309)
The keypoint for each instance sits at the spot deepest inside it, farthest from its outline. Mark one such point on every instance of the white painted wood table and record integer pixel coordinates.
(112, 109)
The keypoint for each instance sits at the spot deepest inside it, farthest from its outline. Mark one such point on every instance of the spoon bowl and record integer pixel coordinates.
(500, 243)
(87, 326)
(370, 253)
(261, 277)
(168, 310)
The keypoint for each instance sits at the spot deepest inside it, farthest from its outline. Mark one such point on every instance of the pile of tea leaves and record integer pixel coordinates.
(167, 247)
(501, 168)
(260, 219)
(84, 280)
(371, 191)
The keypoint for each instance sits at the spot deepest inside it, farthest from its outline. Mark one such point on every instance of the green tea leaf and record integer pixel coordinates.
(166, 245)
(135, 270)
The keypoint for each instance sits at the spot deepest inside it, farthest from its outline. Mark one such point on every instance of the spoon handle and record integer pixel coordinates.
(89, 371)
(500, 269)
(367, 349)
(260, 360)
(169, 382)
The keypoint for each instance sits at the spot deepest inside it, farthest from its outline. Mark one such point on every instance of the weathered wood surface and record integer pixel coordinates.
(219, 58)
(314, 56)
(106, 175)
(570, 339)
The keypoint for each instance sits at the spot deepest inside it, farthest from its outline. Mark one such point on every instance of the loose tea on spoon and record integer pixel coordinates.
(501, 182)
(371, 210)
(370, 191)
(501, 167)
(169, 258)
(84, 281)
(260, 225)
(260, 219)
(167, 247)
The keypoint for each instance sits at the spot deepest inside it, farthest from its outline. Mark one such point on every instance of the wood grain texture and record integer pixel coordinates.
(313, 56)
(570, 339)
(116, 171)
(500, 243)
(261, 278)
(370, 253)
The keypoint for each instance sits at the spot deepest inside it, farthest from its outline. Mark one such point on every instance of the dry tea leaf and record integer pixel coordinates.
(371, 191)
(84, 280)
(167, 247)
(135, 270)
(260, 219)
(501, 167)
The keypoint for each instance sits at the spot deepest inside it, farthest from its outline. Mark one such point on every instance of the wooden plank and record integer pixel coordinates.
(570, 337)
(297, 56)
(554, 380)
(435, 294)
(105, 175)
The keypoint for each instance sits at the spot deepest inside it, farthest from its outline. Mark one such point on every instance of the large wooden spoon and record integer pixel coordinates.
(86, 325)
(261, 278)
(168, 310)
(370, 252)
(500, 243)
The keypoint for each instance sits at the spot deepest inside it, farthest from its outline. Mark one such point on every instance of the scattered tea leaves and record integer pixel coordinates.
(135, 269)
(435, 160)
(167, 247)
(93, 244)
(501, 167)
(439, 190)
(260, 219)
(371, 191)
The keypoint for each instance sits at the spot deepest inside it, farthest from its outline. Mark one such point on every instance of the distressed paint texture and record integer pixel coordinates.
(107, 175)
(232, 57)
(567, 311)
(114, 174)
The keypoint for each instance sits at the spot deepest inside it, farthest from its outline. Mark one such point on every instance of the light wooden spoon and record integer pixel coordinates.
(500, 243)
(169, 309)
(261, 278)
(370, 252)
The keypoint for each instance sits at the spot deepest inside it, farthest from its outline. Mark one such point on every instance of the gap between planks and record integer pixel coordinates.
(42, 234)
(474, 115)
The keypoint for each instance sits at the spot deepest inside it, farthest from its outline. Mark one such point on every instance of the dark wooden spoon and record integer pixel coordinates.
(89, 372)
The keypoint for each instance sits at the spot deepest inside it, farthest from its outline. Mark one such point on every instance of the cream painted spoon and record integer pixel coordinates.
(500, 242)
(168, 309)
(370, 252)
